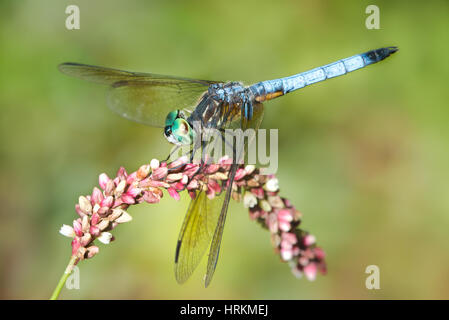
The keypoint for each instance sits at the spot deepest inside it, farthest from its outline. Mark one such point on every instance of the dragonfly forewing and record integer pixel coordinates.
(142, 97)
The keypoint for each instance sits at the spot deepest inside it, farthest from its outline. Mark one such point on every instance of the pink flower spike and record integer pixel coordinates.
(105, 208)
(310, 271)
(103, 179)
(173, 193)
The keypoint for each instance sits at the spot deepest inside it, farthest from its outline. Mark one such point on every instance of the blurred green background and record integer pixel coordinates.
(364, 156)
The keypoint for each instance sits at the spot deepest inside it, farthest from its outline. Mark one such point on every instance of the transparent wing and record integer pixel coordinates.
(142, 97)
(214, 250)
(254, 123)
(245, 139)
(218, 234)
(196, 232)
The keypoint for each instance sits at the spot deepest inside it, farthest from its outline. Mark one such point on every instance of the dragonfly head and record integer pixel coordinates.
(177, 129)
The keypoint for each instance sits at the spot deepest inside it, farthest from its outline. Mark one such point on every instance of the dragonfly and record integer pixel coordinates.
(176, 103)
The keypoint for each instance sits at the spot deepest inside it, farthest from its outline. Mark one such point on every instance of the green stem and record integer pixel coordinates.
(63, 279)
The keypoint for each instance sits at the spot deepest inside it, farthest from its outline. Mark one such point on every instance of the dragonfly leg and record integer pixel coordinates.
(190, 153)
(171, 153)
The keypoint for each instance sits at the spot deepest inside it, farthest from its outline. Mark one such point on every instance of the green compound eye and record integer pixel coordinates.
(171, 117)
(182, 131)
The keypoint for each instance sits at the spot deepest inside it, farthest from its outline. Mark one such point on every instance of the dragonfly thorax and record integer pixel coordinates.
(221, 104)
(230, 92)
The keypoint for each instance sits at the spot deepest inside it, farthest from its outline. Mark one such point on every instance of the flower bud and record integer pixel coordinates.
(272, 185)
(92, 251)
(173, 193)
(103, 224)
(154, 164)
(103, 179)
(124, 217)
(120, 187)
(85, 204)
(105, 237)
(249, 200)
(310, 271)
(67, 231)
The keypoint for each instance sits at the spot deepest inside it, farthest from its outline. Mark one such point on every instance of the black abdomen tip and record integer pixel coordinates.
(377, 55)
(392, 49)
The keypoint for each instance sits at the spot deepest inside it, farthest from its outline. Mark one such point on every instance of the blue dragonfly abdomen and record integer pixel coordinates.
(270, 89)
